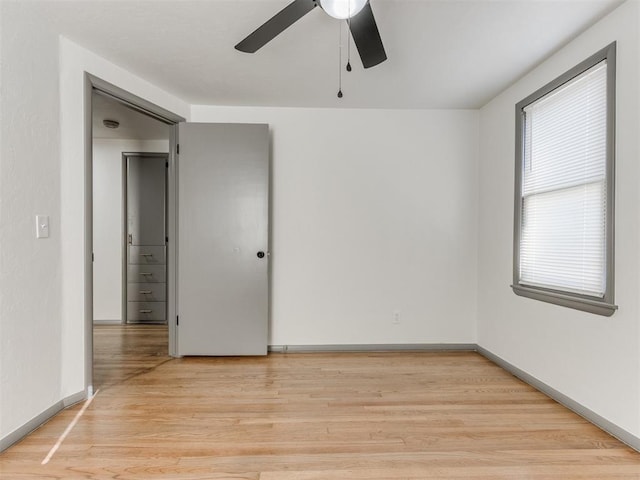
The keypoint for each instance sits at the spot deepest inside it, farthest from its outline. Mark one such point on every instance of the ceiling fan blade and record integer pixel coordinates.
(367, 38)
(276, 25)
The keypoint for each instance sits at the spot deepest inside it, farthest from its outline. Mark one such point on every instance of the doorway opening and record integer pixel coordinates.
(131, 215)
(224, 174)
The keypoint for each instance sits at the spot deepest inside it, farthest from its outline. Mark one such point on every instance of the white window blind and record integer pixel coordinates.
(563, 217)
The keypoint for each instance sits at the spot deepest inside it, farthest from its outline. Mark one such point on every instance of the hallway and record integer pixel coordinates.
(124, 351)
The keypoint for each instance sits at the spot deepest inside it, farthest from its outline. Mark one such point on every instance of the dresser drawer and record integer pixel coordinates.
(146, 274)
(145, 255)
(147, 292)
(147, 311)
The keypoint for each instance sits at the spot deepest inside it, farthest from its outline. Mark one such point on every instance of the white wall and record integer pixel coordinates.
(30, 301)
(373, 211)
(593, 360)
(42, 317)
(108, 223)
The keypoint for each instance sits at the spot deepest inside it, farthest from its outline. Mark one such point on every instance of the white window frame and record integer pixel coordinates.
(594, 304)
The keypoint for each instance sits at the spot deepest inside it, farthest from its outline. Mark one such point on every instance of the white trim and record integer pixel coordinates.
(589, 415)
(67, 430)
(107, 322)
(375, 347)
(24, 430)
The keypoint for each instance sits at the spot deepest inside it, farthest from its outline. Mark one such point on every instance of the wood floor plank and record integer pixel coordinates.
(409, 415)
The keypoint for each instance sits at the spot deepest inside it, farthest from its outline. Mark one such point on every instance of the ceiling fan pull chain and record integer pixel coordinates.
(340, 63)
(349, 39)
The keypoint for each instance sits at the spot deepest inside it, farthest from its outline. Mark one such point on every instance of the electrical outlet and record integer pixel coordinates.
(396, 318)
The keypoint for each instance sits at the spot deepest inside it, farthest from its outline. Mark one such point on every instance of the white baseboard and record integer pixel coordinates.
(24, 430)
(601, 422)
(374, 347)
(107, 322)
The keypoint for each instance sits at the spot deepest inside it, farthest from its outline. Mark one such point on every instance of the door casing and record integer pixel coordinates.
(94, 84)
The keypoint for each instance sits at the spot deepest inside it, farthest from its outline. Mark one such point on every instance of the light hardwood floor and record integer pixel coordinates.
(313, 416)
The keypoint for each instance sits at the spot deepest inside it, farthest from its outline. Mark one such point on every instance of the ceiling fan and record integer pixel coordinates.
(358, 14)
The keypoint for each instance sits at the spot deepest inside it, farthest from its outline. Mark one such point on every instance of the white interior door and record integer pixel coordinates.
(223, 205)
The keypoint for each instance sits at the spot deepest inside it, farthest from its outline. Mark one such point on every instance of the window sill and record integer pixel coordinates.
(566, 300)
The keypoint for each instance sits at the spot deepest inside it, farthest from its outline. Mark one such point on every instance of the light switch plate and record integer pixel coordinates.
(42, 226)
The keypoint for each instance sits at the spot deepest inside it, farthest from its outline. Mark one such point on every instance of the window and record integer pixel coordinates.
(563, 234)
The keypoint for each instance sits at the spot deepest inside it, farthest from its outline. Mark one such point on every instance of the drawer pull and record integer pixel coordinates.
(146, 273)
(145, 292)
(146, 254)
(145, 311)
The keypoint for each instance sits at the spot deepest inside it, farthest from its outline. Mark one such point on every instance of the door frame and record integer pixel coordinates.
(95, 84)
(125, 223)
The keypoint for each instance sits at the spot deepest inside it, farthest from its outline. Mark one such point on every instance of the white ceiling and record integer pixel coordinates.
(133, 125)
(442, 54)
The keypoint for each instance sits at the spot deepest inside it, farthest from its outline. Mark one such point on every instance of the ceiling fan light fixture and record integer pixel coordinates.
(342, 9)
